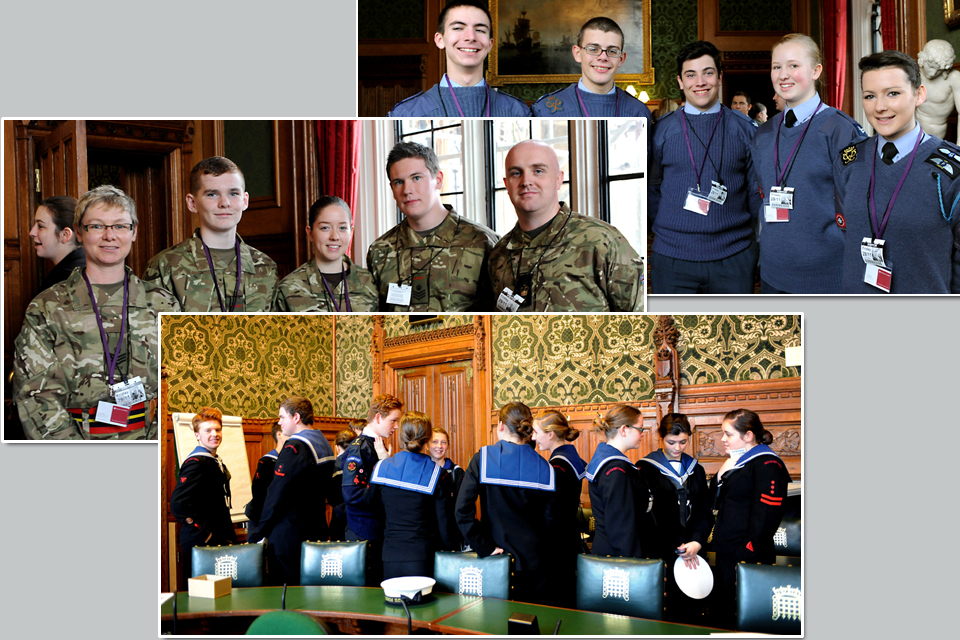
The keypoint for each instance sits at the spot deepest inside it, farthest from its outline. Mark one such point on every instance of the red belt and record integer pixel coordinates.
(136, 420)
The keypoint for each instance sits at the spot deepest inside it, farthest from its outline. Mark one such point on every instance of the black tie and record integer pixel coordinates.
(790, 119)
(889, 151)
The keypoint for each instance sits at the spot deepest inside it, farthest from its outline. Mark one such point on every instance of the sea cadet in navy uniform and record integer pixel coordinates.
(295, 508)
(437, 450)
(904, 236)
(463, 32)
(365, 517)
(262, 478)
(201, 495)
(600, 52)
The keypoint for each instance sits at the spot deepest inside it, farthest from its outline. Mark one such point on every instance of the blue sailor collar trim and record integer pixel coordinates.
(271, 454)
(759, 450)
(604, 454)
(407, 470)
(568, 453)
(515, 465)
(659, 459)
(317, 443)
(201, 452)
(448, 465)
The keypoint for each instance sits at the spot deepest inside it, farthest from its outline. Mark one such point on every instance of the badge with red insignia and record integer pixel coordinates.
(841, 221)
(351, 466)
(183, 479)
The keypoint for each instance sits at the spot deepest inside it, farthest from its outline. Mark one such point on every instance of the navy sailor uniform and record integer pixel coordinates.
(411, 487)
(364, 513)
(455, 472)
(258, 489)
(620, 500)
(569, 470)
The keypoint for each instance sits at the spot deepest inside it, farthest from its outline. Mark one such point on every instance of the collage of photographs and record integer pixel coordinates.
(514, 347)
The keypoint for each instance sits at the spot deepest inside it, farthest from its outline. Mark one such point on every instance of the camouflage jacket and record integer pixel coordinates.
(456, 279)
(303, 290)
(590, 266)
(59, 362)
(183, 270)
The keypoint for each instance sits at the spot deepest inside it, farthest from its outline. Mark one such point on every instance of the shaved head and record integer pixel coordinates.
(535, 147)
(533, 180)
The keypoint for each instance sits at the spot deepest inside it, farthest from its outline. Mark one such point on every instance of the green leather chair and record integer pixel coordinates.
(769, 599)
(625, 586)
(467, 575)
(287, 623)
(341, 564)
(787, 538)
(242, 562)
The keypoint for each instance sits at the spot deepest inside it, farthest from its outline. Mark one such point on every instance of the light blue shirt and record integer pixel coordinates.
(583, 88)
(444, 83)
(904, 143)
(804, 111)
(693, 111)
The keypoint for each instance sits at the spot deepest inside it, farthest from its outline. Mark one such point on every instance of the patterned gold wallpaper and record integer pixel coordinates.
(399, 325)
(354, 365)
(245, 365)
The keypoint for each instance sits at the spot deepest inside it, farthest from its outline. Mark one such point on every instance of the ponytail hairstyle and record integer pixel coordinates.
(415, 431)
(518, 420)
(673, 424)
(556, 422)
(620, 415)
(744, 420)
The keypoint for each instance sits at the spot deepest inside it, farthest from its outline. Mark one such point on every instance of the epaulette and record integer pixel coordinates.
(510, 95)
(946, 157)
(408, 99)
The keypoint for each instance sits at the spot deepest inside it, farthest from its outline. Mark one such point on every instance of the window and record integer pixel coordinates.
(623, 163)
(446, 138)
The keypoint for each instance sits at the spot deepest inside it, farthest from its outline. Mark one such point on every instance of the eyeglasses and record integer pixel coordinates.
(594, 50)
(121, 227)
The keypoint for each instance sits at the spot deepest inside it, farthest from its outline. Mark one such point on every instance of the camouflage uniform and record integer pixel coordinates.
(59, 362)
(303, 290)
(589, 267)
(183, 270)
(456, 280)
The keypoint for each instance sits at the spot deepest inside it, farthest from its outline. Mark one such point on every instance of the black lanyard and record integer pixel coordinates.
(396, 246)
(345, 296)
(213, 274)
(706, 147)
(516, 275)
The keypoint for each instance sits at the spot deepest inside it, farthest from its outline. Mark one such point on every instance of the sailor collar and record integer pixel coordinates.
(515, 465)
(568, 453)
(687, 465)
(604, 454)
(407, 470)
(315, 441)
(201, 452)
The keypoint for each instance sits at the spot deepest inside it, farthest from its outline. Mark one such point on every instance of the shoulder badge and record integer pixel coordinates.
(554, 103)
(849, 154)
(948, 167)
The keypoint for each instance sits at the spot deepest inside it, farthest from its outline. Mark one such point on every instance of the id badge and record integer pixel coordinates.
(129, 393)
(879, 277)
(114, 414)
(697, 202)
(718, 192)
(399, 294)
(525, 289)
(775, 214)
(872, 251)
(781, 198)
(508, 300)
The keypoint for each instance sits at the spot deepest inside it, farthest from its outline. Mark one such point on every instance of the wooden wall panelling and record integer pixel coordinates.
(911, 20)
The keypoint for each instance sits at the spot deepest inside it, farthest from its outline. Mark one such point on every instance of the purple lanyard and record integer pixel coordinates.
(457, 102)
(111, 362)
(873, 198)
(213, 274)
(583, 107)
(346, 292)
(796, 146)
(706, 150)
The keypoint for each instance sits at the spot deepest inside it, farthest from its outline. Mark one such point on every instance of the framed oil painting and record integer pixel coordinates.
(951, 13)
(533, 39)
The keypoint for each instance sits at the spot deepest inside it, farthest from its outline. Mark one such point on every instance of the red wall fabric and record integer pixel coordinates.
(835, 49)
(339, 146)
(888, 24)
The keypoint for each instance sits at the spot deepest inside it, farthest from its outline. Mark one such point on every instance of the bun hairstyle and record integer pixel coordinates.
(518, 419)
(206, 415)
(673, 424)
(620, 415)
(556, 422)
(63, 210)
(415, 431)
(344, 438)
(744, 420)
(299, 405)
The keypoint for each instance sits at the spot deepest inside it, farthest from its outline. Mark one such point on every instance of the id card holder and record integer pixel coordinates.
(718, 192)
(775, 214)
(114, 414)
(399, 294)
(872, 250)
(525, 289)
(508, 300)
(129, 393)
(879, 277)
(781, 197)
(697, 202)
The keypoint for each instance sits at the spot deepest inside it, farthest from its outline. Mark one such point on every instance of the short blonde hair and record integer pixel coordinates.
(806, 42)
(110, 197)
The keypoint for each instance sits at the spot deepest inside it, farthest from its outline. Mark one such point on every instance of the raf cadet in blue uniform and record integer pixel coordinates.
(904, 236)
(464, 34)
(294, 509)
(201, 497)
(599, 50)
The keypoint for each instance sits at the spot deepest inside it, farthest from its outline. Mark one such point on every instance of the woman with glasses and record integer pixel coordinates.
(619, 496)
(85, 362)
(54, 238)
(329, 282)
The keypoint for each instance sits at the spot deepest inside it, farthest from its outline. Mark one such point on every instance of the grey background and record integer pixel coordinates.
(80, 523)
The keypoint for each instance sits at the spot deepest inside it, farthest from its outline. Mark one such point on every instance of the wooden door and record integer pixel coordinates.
(62, 156)
(444, 392)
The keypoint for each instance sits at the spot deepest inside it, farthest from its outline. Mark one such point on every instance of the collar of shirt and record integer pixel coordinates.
(444, 83)
(693, 111)
(805, 110)
(443, 235)
(583, 88)
(904, 143)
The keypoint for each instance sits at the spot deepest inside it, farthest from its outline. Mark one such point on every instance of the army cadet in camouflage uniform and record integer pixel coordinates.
(217, 196)
(62, 368)
(553, 259)
(329, 282)
(435, 260)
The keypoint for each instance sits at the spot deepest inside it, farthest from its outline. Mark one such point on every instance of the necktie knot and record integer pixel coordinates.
(889, 153)
(790, 119)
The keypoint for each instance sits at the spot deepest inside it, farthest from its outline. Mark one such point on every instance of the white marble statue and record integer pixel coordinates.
(943, 86)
